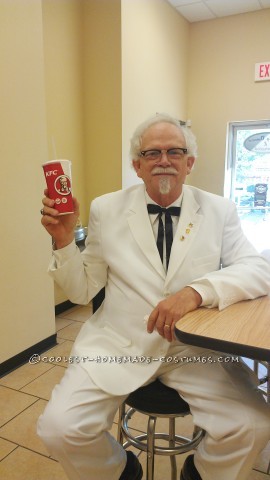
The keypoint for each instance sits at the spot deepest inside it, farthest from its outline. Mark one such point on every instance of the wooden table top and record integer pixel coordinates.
(241, 329)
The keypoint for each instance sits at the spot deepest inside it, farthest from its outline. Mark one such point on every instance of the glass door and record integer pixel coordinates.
(247, 178)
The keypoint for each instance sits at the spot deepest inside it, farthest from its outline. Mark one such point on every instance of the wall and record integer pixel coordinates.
(63, 69)
(27, 309)
(155, 42)
(63, 55)
(221, 86)
(102, 96)
(82, 50)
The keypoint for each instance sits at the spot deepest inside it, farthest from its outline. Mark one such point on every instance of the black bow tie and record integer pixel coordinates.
(175, 211)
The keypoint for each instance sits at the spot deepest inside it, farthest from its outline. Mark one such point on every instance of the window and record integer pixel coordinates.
(247, 178)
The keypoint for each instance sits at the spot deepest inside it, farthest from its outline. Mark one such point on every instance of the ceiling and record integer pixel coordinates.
(198, 10)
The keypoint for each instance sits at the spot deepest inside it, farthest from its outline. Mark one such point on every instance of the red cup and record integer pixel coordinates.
(58, 178)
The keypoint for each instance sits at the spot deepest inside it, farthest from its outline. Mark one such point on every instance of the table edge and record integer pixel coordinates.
(224, 346)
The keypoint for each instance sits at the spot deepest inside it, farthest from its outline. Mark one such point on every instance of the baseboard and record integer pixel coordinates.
(49, 342)
(23, 357)
(62, 307)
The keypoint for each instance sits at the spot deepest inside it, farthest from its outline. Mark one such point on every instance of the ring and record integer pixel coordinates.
(42, 211)
(167, 326)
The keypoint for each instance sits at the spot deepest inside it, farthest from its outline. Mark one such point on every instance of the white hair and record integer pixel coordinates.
(136, 140)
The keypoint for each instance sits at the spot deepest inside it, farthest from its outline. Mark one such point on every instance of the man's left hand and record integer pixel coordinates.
(170, 310)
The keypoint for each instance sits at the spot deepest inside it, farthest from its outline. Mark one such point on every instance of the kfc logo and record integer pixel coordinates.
(62, 185)
(51, 172)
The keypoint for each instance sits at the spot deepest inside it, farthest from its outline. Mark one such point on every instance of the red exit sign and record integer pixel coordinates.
(262, 71)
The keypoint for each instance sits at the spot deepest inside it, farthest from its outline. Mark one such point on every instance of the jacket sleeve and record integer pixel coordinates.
(244, 274)
(82, 275)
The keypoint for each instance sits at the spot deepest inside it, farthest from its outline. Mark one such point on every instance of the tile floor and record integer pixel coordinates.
(23, 396)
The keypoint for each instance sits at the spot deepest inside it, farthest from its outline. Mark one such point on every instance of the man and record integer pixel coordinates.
(150, 286)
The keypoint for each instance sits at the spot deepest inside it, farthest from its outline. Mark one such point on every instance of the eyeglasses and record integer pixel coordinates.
(172, 153)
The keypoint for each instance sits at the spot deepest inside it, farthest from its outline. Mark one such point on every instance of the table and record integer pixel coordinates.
(241, 329)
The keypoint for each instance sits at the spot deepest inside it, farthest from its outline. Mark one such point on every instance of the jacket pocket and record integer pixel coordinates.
(114, 334)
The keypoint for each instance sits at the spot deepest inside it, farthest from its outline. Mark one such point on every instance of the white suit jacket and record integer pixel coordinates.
(121, 254)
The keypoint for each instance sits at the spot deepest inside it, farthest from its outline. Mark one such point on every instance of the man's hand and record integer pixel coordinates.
(60, 227)
(170, 310)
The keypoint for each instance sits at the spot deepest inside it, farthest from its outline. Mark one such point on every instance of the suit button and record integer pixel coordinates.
(166, 293)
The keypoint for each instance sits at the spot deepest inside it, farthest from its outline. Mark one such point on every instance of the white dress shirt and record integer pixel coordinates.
(154, 219)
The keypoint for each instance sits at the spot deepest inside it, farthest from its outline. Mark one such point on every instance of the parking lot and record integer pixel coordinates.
(256, 225)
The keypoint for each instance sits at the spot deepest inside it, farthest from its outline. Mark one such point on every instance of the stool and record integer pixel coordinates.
(157, 400)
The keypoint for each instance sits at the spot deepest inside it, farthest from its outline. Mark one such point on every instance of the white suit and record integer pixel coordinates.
(121, 255)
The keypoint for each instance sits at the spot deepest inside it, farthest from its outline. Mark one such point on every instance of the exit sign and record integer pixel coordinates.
(262, 71)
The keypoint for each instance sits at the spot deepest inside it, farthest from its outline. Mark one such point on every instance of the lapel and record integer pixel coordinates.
(187, 229)
(141, 229)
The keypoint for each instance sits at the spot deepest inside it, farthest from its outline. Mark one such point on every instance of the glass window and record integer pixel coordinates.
(247, 178)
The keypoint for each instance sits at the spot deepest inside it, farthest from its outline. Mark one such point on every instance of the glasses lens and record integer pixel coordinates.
(152, 154)
(175, 153)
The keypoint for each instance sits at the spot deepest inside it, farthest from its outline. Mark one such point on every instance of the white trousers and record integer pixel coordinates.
(223, 400)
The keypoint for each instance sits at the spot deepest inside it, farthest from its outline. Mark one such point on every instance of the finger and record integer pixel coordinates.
(152, 320)
(157, 320)
(160, 324)
(47, 220)
(52, 212)
(169, 331)
(48, 201)
(166, 329)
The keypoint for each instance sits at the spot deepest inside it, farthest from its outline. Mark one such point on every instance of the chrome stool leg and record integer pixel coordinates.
(172, 445)
(150, 447)
(121, 415)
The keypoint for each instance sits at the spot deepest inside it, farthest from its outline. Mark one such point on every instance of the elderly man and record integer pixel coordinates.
(161, 249)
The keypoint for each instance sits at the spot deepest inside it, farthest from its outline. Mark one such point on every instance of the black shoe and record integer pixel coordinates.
(189, 471)
(133, 469)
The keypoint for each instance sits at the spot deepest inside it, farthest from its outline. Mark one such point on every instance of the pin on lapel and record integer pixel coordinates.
(187, 231)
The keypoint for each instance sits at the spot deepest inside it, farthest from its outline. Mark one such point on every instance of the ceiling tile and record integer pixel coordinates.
(196, 12)
(177, 3)
(232, 7)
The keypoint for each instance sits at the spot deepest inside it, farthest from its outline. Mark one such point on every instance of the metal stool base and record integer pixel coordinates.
(146, 442)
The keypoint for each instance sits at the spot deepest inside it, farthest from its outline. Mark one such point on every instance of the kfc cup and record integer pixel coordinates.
(58, 178)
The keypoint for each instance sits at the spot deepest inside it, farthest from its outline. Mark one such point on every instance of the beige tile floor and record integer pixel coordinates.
(23, 396)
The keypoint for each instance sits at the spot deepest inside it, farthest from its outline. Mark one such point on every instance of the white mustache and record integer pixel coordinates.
(160, 170)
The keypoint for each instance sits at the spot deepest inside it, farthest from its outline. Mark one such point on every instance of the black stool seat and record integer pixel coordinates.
(157, 398)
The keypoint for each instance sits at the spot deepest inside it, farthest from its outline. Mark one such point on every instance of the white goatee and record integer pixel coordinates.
(164, 185)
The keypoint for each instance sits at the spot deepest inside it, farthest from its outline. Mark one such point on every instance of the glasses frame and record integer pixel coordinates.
(143, 153)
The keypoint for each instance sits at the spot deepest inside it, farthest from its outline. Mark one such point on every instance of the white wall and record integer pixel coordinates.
(154, 68)
(27, 306)
(221, 86)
